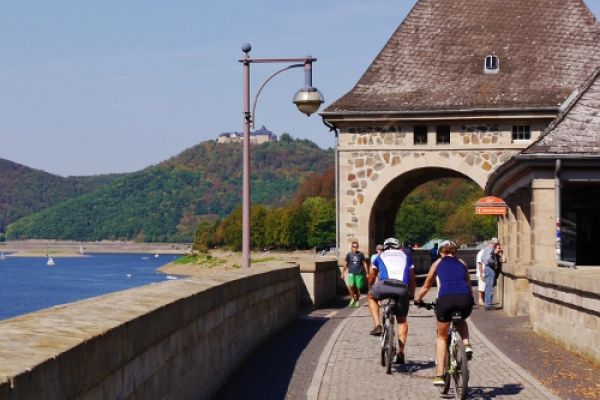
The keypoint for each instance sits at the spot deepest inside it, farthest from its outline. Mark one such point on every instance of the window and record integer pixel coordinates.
(521, 132)
(442, 134)
(492, 64)
(420, 133)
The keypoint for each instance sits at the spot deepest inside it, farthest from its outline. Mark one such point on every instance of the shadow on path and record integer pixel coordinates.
(283, 367)
(479, 392)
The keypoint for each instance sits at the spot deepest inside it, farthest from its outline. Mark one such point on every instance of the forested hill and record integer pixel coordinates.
(24, 190)
(165, 202)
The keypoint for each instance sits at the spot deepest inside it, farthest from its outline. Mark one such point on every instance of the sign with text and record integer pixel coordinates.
(490, 205)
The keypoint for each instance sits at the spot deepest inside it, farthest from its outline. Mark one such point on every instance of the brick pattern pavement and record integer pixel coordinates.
(350, 368)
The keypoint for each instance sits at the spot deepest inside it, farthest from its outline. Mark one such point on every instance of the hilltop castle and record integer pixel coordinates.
(258, 136)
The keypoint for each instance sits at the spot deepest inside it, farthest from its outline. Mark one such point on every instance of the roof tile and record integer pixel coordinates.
(435, 58)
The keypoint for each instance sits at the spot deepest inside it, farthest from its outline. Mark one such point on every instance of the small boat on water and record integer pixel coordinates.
(50, 261)
(2, 256)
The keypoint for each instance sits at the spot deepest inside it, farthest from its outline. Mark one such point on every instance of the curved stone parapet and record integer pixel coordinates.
(177, 339)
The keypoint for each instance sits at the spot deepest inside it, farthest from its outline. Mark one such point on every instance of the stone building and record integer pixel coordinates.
(553, 191)
(262, 135)
(461, 88)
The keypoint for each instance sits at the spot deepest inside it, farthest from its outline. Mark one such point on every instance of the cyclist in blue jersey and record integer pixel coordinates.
(396, 274)
(454, 293)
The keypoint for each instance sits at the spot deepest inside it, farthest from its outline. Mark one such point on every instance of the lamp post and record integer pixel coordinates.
(308, 100)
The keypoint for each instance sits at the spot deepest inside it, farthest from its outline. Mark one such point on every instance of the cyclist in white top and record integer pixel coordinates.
(396, 274)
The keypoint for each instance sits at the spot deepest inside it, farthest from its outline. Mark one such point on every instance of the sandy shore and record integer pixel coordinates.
(227, 260)
(62, 248)
(220, 259)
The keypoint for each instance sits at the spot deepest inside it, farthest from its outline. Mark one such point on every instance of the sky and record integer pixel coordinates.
(115, 86)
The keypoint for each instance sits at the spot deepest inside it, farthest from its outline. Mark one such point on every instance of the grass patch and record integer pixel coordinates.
(201, 259)
(264, 259)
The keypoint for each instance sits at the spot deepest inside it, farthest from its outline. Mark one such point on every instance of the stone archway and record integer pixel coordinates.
(385, 208)
(373, 182)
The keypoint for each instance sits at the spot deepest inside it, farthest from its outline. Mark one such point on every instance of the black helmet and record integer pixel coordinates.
(391, 243)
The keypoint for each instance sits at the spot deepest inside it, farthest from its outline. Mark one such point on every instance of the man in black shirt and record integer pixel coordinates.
(354, 273)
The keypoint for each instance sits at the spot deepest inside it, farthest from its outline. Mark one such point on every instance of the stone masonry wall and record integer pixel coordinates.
(370, 158)
(566, 307)
(177, 339)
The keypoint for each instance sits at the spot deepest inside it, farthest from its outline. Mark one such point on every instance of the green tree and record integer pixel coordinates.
(232, 229)
(203, 238)
(258, 215)
(294, 228)
(274, 228)
(320, 230)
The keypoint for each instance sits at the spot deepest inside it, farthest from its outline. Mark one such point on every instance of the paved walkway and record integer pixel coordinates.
(329, 355)
(350, 368)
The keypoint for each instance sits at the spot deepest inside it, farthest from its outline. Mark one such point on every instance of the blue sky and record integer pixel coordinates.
(115, 86)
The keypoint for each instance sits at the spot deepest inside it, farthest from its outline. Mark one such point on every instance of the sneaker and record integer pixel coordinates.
(438, 381)
(357, 304)
(377, 331)
(469, 351)
(399, 359)
(351, 304)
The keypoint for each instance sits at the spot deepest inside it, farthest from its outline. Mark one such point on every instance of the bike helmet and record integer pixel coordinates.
(391, 243)
(447, 243)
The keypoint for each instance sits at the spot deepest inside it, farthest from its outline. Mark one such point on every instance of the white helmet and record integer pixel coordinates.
(391, 243)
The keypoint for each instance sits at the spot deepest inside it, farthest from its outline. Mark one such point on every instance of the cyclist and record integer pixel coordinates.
(396, 279)
(454, 293)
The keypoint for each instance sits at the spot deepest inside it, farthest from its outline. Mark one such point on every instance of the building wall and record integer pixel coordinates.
(566, 307)
(371, 158)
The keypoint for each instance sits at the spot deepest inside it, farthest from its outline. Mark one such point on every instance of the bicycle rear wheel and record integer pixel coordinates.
(391, 337)
(383, 345)
(461, 374)
(383, 339)
(444, 389)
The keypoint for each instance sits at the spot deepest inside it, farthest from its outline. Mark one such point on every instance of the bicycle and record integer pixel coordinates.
(456, 368)
(389, 343)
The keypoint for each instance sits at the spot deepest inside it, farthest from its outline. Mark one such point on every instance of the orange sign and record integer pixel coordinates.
(490, 210)
(490, 205)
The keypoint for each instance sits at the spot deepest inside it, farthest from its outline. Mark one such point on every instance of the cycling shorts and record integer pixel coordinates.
(392, 288)
(451, 302)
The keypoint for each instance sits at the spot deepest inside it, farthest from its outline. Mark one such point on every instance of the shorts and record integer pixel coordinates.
(392, 288)
(453, 302)
(356, 280)
(480, 283)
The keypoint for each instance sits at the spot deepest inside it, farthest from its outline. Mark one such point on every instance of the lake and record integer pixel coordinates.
(27, 284)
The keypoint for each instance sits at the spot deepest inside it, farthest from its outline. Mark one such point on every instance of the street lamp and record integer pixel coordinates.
(308, 100)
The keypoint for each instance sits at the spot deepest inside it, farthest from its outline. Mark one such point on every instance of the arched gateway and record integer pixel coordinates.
(378, 168)
(460, 88)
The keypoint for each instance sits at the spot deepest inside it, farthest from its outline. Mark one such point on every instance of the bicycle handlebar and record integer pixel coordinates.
(422, 304)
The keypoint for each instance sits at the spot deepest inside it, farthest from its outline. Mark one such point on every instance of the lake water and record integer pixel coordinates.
(27, 284)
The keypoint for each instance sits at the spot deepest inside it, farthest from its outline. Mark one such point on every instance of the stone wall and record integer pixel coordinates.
(566, 307)
(372, 161)
(177, 339)
(319, 282)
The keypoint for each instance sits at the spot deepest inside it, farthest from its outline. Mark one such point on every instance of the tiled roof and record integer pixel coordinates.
(577, 129)
(435, 58)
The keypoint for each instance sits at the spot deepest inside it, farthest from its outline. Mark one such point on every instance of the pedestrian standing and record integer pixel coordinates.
(490, 263)
(433, 253)
(480, 275)
(355, 268)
